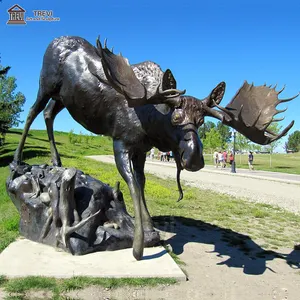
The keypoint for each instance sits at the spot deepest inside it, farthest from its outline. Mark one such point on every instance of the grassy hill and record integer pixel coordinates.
(68, 145)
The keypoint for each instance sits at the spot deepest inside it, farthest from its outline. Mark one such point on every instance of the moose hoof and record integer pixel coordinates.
(17, 162)
(137, 254)
(151, 238)
(56, 163)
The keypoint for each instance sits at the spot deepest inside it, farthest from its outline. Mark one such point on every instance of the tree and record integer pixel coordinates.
(10, 102)
(275, 128)
(225, 134)
(4, 71)
(223, 130)
(241, 142)
(213, 140)
(293, 142)
(254, 147)
(205, 128)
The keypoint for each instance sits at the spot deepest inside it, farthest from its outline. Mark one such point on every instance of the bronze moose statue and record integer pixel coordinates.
(140, 107)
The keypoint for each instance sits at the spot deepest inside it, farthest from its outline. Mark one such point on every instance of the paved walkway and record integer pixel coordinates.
(276, 176)
(277, 189)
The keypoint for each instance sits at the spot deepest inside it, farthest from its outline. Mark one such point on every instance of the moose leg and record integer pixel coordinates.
(138, 161)
(124, 167)
(50, 112)
(37, 107)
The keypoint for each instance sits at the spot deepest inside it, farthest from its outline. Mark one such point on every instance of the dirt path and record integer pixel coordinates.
(217, 270)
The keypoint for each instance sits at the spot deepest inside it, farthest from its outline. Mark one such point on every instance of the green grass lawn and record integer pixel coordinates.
(278, 162)
(269, 227)
(58, 287)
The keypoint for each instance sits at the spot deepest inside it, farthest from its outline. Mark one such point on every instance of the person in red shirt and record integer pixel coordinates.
(224, 158)
(231, 158)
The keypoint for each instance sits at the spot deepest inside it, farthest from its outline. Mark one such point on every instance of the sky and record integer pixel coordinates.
(202, 42)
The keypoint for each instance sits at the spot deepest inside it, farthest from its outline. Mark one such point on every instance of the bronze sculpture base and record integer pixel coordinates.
(63, 207)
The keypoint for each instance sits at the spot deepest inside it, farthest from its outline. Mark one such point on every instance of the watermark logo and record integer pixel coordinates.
(17, 15)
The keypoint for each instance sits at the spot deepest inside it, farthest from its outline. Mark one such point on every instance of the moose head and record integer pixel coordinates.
(186, 113)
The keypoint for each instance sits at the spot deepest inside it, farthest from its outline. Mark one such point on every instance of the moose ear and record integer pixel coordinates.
(216, 95)
(168, 81)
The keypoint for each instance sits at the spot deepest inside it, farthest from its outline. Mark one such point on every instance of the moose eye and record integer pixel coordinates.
(177, 117)
(200, 122)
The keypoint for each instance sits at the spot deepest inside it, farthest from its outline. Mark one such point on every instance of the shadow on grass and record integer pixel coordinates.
(284, 167)
(27, 154)
(242, 251)
(15, 132)
(4, 151)
(44, 140)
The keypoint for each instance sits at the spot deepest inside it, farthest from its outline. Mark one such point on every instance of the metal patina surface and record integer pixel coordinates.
(63, 207)
(139, 106)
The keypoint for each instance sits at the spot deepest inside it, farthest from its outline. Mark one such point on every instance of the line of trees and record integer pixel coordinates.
(10, 103)
(214, 136)
(80, 138)
(218, 136)
(293, 143)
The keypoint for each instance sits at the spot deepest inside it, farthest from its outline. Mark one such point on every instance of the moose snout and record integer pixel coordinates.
(192, 154)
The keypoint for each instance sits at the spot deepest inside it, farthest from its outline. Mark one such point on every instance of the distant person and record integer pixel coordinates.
(171, 156)
(158, 155)
(220, 158)
(163, 156)
(231, 158)
(152, 153)
(215, 158)
(224, 158)
(168, 156)
(250, 161)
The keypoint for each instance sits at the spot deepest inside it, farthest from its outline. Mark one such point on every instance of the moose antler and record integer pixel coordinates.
(251, 111)
(121, 77)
